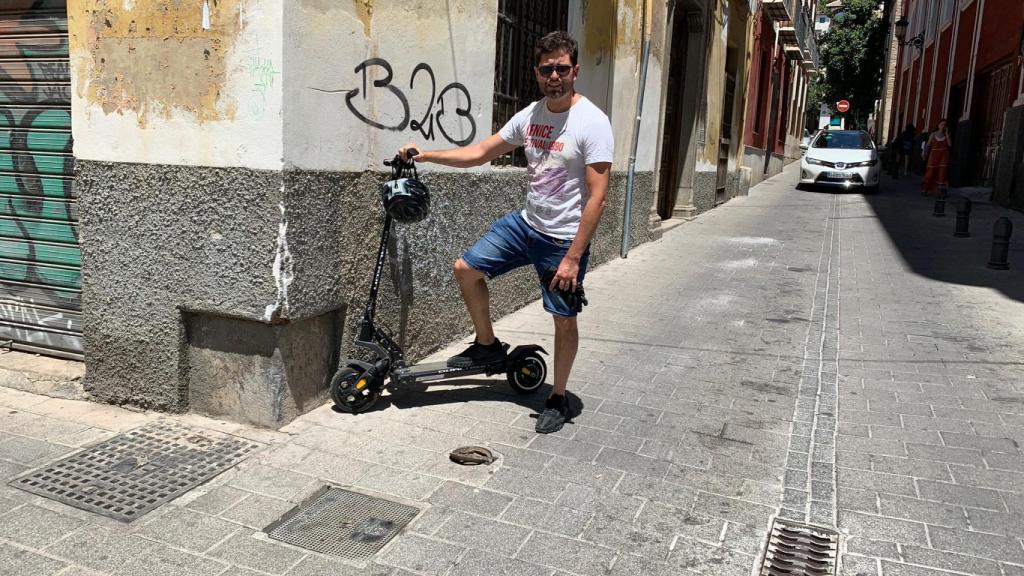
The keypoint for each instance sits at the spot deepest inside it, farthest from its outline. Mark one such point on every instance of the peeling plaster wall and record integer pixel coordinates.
(628, 64)
(194, 82)
(715, 83)
(434, 61)
(588, 23)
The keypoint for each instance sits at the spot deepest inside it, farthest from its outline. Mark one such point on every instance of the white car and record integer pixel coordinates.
(841, 158)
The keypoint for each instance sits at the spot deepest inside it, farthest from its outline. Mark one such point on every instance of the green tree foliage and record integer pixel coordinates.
(852, 57)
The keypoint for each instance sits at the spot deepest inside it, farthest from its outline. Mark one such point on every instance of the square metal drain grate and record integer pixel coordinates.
(343, 523)
(796, 549)
(135, 472)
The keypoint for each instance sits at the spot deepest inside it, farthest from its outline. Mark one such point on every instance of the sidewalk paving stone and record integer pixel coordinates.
(99, 548)
(36, 527)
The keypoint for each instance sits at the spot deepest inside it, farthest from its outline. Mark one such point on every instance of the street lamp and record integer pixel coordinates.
(901, 33)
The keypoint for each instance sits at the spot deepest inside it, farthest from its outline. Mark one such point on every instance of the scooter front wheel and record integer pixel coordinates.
(528, 373)
(354, 390)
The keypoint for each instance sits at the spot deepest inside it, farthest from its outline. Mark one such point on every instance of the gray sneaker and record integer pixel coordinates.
(554, 416)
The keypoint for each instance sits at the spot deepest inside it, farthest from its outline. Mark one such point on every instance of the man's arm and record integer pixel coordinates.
(466, 156)
(596, 179)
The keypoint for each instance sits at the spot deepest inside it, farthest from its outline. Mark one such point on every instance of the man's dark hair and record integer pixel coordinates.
(557, 40)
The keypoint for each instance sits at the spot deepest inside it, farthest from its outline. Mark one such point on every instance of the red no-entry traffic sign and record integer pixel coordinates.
(842, 105)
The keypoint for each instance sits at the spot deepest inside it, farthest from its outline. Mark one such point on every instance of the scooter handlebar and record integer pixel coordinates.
(399, 161)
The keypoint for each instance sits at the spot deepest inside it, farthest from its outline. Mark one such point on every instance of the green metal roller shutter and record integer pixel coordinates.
(40, 262)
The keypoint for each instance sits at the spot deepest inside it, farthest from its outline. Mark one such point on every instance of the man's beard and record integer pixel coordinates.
(556, 92)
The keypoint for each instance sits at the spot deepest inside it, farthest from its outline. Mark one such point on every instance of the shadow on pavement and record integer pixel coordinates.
(462, 390)
(928, 246)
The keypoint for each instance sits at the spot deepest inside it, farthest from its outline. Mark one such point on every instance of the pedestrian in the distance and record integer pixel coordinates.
(936, 156)
(904, 148)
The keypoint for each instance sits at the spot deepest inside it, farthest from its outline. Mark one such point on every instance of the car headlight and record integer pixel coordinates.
(871, 162)
(815, 161)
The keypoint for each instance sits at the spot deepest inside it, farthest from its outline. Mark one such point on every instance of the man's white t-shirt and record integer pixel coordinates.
(558, 147)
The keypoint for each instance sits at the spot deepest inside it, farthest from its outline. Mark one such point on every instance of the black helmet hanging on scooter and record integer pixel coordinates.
(406, 199)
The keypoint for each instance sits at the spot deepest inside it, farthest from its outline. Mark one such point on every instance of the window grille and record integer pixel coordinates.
(520, 24)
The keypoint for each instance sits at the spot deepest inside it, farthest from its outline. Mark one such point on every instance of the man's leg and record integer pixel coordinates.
(473, 285)
(567, 339)
(557, 409)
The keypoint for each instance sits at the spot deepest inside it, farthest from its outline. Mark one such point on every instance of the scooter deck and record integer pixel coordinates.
(441, 370)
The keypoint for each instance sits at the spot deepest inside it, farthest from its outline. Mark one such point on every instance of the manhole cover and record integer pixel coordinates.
(134, 473)
(343, 523)
(796, 549)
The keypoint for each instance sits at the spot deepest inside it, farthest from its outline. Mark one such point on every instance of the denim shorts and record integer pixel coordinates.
(512, 243)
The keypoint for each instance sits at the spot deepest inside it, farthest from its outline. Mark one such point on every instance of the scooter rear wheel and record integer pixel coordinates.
(527, 375)
(347, 393)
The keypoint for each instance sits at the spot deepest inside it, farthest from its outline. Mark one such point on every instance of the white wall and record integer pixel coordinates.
(326, 129)
(192, 90)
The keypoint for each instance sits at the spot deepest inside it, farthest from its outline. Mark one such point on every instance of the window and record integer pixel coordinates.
(520, 24)
(762, 92)
(843, 140)
(929, 21)
(947, 10)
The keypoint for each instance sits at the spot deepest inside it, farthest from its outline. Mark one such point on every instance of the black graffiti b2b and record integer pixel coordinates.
(423, 124)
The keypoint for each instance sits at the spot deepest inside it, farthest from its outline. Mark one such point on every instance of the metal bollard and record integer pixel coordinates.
(940, 203)
(1001, 232)
(963, 218)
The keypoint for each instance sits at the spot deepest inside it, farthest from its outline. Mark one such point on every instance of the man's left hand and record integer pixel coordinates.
(565, 276)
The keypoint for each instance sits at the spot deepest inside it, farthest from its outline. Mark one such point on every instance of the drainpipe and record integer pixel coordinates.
(646, 32)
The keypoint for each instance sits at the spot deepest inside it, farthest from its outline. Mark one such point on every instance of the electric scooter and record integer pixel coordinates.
(358, 384)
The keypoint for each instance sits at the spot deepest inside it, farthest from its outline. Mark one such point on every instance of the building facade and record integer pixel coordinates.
(961, 60)
(784, 60)
(704, 110)
(190, 189)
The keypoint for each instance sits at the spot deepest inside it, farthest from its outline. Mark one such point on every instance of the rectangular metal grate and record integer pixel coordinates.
(343, 523)
(796, 549)
(136, 472)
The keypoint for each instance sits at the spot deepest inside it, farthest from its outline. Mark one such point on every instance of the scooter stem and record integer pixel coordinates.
(366, 332)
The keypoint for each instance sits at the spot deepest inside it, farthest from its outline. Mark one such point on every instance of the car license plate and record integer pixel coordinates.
(839, 175)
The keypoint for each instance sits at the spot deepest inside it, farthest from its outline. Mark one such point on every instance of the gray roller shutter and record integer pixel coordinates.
(40, 262)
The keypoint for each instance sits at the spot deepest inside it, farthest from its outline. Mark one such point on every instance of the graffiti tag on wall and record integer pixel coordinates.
(262, 73)
(444, 110)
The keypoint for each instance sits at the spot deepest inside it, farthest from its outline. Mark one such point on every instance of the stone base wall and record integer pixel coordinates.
(753, 158)
(704, 185)
(234, 292)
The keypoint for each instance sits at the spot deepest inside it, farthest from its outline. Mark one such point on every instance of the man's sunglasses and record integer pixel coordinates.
(547, 69)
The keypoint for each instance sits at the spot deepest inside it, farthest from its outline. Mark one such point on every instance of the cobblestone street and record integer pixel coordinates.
(835, 359)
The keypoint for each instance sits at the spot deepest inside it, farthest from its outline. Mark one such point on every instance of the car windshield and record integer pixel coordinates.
(843, 140)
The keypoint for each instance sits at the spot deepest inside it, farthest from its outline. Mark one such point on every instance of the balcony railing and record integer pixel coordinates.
(796, 31)
(780, 10)
(809, 41)
(803, 30)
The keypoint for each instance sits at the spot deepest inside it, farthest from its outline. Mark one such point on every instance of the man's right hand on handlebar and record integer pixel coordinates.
(404, 152)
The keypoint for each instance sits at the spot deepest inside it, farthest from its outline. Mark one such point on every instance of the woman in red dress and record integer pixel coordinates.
(939, 144)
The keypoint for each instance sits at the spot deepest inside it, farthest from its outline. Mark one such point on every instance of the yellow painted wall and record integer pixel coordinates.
(740, 35)
(625, 82)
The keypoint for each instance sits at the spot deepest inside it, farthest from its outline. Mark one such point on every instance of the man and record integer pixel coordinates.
(569, 148)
